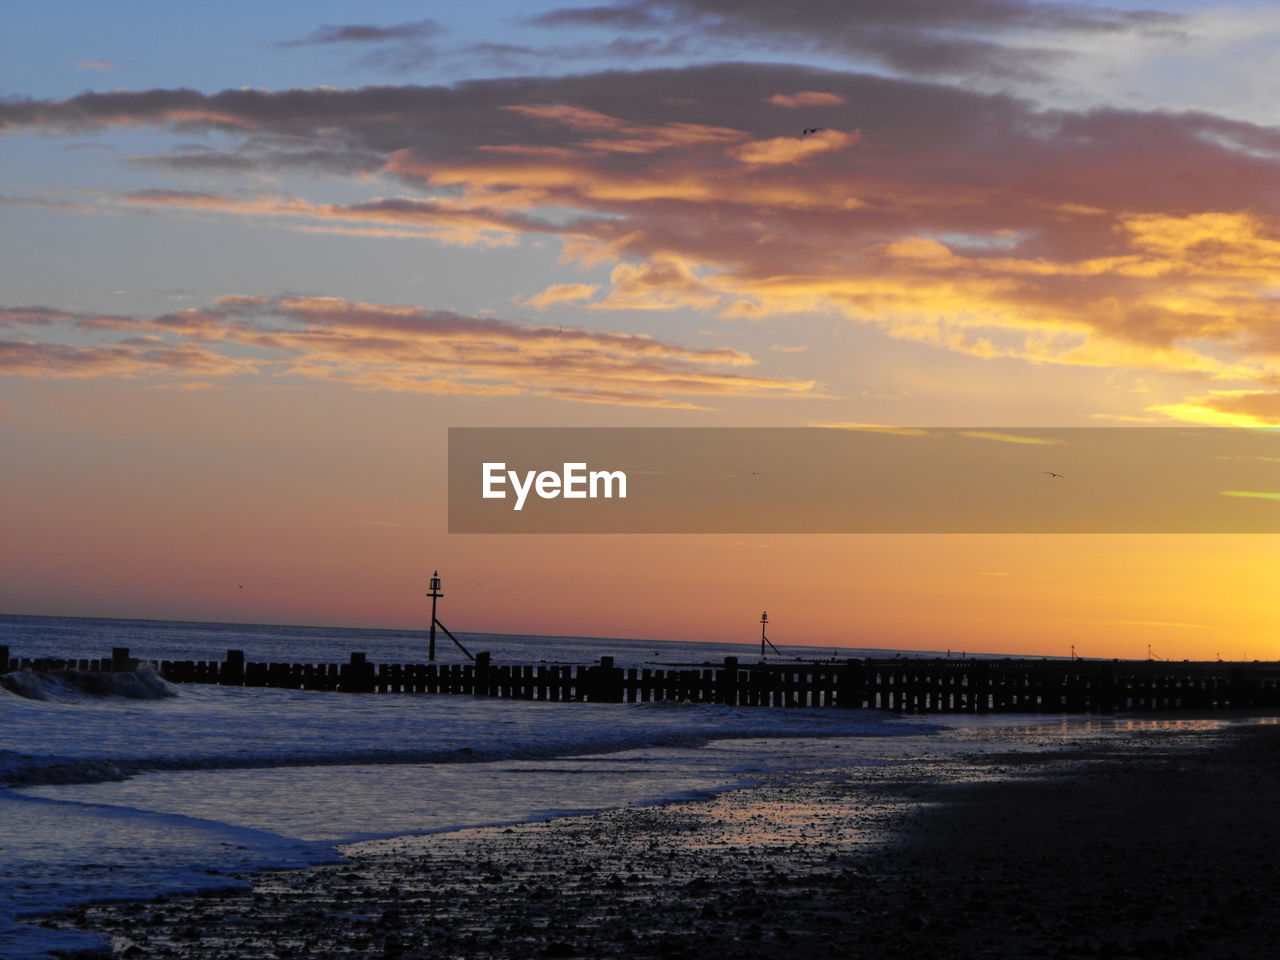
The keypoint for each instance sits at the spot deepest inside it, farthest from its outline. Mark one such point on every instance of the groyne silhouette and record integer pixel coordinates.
(901, 685)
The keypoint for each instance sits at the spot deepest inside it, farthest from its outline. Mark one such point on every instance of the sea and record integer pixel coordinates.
(146, 787)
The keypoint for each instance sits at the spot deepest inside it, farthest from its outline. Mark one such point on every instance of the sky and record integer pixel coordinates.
(258, 258)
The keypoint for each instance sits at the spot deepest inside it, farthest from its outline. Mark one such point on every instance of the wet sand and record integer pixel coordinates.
(1151, 845)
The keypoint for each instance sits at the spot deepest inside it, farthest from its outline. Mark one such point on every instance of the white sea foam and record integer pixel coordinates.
(87, 739)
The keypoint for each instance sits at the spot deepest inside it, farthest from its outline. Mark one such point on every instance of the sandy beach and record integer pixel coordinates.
(1152, 844)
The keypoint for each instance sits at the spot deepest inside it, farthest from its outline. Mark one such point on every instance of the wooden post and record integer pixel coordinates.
(232, 673)
(120, 659)
(980, 677)
(1237, 689)
(607, 687)
(356, 675)
(727, 688)
(4, 658)
(852, 686)
(1106, 688)
(481, 688)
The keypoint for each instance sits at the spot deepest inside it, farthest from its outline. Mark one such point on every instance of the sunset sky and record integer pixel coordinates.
(257, 258)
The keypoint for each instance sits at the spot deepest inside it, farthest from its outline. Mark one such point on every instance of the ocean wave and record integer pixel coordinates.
(69, 686)
(22, 770)
(718, 723)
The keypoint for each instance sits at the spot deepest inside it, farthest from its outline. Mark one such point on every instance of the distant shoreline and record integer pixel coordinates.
(423, 628)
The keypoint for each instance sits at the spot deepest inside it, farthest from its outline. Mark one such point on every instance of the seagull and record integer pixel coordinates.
(809, 130)
(240, 585)
(1050, 473)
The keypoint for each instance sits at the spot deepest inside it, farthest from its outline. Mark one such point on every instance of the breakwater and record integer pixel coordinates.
(902, 685)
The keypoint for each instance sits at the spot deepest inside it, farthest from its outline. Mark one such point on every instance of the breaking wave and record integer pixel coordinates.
(69, 686)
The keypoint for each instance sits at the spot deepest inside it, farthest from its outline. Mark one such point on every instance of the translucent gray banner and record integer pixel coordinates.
(864, 480)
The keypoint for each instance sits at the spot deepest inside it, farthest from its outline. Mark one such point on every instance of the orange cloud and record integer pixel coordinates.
(664, 284)
(792, 149)
(806, 98)
(562, 293)
(575, 117)
(1008, 437)
(919, 248)
(126, 360)
(1228, 408)
(876, 428)
(386, 347)
(449, 221)
(628, 138)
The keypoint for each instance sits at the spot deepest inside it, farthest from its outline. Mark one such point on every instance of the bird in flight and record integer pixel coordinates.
(1050, 473)
(809, 130)
(240, 585)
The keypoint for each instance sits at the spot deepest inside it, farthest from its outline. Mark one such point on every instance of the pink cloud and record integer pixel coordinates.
(794, 149)
(806, 98)
(386, 347)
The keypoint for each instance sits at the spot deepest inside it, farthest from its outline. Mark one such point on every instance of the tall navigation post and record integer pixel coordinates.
(765, 641)
(435, 595)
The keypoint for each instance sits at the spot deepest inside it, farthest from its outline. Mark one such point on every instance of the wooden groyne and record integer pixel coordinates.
(899, 685)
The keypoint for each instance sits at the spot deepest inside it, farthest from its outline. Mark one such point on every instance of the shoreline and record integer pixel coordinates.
(1111, 849)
